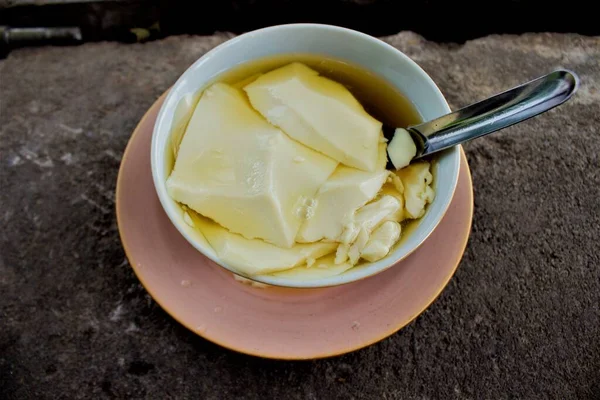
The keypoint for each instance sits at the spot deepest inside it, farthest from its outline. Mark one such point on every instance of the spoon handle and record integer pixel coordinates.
(495, 113)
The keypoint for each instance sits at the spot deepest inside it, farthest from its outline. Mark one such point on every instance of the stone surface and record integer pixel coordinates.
(520, 319)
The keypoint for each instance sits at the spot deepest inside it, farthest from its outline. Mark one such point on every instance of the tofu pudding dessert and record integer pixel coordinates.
(282, 168)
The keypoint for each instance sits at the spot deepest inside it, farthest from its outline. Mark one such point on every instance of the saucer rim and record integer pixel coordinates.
(397, 327)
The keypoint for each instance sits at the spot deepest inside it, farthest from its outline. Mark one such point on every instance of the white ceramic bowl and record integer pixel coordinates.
(354, 47)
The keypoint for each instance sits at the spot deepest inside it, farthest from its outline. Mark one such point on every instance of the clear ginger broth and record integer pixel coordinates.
(375, 94)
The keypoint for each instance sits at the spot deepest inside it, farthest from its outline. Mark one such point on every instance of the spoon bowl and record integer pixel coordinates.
(487, 116)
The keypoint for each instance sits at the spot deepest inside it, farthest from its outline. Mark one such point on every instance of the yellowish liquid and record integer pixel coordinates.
(379, 98)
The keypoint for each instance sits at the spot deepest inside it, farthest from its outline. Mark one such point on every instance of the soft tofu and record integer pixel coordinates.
(319, 113)
(323, 268)
(346, 190)
(254, 256)
(242, 172)
(381, 241)
(416, 179)
(356, 233)
(389, 189)
(355, 250)
(369, 217)
(401, 148)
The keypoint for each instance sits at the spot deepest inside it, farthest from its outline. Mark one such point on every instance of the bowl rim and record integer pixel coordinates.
(348, 277)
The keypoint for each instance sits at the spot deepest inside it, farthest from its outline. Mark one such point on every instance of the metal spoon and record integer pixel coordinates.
(490, 115)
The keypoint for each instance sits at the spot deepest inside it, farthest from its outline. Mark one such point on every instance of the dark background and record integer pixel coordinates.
(437, 20)
(519, 320)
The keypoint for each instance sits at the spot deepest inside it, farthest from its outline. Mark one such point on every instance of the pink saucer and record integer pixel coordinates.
(277, 322)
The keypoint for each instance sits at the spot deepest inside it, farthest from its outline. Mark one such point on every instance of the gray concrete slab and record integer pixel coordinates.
(520, 319)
